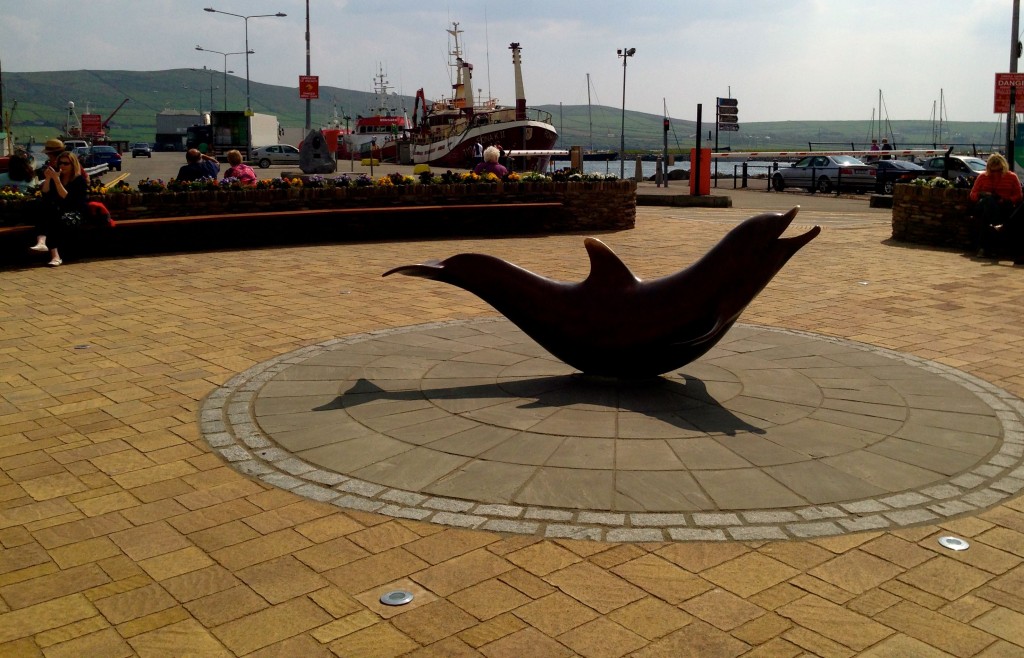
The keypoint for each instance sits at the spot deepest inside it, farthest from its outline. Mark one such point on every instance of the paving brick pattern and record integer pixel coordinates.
(123, 533)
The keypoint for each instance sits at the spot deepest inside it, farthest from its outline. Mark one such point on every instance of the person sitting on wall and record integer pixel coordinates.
(238, 169)
(198, 166)
(20, 174)
(490, 164)
(996, 193)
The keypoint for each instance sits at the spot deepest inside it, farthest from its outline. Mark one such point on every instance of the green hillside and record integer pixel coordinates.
(42, 100)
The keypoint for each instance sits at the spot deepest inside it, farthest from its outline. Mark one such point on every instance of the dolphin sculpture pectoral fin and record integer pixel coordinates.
(615, 324)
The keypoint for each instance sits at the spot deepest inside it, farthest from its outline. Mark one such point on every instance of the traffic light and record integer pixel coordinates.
(665, 124)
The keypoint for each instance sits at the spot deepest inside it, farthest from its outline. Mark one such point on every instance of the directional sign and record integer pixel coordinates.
(728, 118)
(728, 110)
(729, 127)
(728, 102)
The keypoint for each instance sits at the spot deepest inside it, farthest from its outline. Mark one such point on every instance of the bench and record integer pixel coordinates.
(329, 212)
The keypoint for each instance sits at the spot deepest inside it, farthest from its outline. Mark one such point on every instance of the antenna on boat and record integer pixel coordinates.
(487, 49)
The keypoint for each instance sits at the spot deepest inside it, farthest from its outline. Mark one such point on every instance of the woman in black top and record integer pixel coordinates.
(66, 195)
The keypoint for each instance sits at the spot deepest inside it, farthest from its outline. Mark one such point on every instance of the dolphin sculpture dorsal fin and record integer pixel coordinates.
(606, 268)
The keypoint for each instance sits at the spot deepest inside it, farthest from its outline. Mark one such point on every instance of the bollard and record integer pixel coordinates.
(744, 183)
(658, 176)
(639, 175)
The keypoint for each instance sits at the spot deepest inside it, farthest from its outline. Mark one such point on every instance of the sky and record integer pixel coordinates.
(781, 59)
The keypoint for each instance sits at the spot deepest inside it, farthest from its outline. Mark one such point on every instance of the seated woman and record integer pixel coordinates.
(242, 172)
(20, 174)
(490, 164)
(996, 192)
(66, 195)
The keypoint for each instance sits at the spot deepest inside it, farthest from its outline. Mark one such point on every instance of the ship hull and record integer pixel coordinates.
(457, 150)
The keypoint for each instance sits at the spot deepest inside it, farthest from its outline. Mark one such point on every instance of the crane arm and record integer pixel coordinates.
(116, 110)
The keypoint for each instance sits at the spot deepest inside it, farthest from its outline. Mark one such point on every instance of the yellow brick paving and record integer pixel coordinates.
(121, 534)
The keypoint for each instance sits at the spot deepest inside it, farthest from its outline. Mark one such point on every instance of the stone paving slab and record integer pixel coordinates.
(565, 448)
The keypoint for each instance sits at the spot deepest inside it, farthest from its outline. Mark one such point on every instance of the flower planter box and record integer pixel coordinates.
(585, 206)
(933, 216)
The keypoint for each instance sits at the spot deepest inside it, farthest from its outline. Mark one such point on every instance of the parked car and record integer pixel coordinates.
(74, 144)
(825, 173)
(278, 154)
(890, 172)
(141, 149)
(958, 165)
(96, 155)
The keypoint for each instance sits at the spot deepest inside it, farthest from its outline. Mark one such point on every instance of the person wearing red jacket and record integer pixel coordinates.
(996, 193)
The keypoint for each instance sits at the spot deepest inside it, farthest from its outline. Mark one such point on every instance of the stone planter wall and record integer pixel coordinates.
(605, 205)
(925, 215)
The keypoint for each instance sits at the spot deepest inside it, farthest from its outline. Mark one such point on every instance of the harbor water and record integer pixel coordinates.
(649, 167)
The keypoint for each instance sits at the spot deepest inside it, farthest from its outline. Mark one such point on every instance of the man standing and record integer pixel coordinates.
(198, 166)
(886, 146)
(478, 153)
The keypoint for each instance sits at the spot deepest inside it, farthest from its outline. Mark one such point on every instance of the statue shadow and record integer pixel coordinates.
(685, 404)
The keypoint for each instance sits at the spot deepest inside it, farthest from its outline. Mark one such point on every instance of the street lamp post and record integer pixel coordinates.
(248, 100)
(211, 72)
(200, 90)
(226, 71)
(624, 53)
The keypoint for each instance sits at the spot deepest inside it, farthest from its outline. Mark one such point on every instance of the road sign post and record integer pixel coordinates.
(726, 120)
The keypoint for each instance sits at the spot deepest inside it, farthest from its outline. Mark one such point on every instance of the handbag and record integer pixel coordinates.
(71, 219)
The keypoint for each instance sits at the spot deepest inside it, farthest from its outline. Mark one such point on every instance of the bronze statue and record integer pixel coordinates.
(612, 323)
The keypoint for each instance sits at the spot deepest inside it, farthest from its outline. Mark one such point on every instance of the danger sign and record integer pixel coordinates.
(1004, 83)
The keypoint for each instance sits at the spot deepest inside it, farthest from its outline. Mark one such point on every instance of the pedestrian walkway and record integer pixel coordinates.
(128, 526)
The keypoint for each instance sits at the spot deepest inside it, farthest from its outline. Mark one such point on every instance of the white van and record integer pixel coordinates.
(72, 144)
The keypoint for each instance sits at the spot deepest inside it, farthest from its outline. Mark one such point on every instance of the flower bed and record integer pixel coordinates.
(587, 203)
(937, 216)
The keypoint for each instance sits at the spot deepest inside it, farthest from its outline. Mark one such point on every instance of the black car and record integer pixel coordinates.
(890, 172)
(97, 155)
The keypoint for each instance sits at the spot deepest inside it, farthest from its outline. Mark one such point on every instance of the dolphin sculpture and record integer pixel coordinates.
(612, 323)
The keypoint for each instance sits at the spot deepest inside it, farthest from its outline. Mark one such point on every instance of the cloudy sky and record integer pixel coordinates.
(783, 59)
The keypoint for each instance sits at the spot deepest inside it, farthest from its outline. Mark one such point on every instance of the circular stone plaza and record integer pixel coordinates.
(242, 452)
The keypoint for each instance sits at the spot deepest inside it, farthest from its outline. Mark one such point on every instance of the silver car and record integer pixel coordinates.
(276, 154)
(825, 173)
(955, 166)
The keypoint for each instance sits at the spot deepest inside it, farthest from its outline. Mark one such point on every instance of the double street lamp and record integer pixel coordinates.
(248, 101)
(624, 53)
(226, 71)
(246, 18)
(212, 72)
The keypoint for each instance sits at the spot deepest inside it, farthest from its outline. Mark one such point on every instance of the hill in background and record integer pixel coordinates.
(42, 99)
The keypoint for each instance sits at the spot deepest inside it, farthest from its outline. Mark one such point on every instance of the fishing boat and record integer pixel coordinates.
(380, 130)
(445, 131)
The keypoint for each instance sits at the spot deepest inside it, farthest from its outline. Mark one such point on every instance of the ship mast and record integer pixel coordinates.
(520, 89)
(455, 61)
(590, 118)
